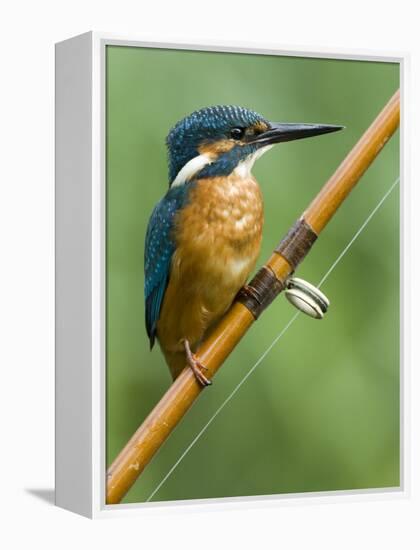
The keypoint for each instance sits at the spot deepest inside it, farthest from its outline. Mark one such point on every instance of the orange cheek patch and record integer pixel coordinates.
(260, 127)
(216, 148)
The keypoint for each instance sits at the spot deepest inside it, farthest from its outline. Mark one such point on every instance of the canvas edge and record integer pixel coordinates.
(73, 252)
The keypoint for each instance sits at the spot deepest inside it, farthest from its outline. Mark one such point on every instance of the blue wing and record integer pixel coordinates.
(158, 251)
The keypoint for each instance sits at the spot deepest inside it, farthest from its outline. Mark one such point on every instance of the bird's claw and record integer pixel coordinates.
(196, 366)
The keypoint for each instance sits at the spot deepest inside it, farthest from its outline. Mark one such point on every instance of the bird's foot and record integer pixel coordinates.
(196, 366)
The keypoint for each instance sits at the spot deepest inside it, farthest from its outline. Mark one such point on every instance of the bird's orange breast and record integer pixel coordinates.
(218, 238)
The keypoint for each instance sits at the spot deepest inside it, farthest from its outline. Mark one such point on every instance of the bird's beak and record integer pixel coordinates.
(280, 132)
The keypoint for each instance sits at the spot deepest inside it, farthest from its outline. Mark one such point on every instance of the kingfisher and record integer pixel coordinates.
(204, 236)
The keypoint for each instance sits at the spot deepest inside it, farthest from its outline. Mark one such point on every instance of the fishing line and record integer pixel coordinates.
(273, 343)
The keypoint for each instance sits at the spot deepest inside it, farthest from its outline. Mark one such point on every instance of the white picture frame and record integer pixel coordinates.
(80, 276)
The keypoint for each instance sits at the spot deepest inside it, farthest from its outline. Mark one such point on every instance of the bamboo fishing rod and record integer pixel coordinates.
(251, 301)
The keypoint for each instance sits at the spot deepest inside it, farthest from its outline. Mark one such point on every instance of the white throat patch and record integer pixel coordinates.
(244, 168)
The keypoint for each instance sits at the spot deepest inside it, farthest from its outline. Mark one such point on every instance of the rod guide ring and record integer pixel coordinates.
(306, 297)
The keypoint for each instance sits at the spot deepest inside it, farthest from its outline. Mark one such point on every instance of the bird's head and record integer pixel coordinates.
(215, 141)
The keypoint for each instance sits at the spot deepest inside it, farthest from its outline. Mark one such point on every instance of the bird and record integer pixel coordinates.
(204, 236)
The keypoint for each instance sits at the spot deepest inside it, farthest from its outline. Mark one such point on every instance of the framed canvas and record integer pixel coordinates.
(310, 400)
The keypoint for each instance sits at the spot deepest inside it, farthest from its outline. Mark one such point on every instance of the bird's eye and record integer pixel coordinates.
(237, 133)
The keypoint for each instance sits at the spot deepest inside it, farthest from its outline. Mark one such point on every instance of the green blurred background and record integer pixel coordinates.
(321, 412)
